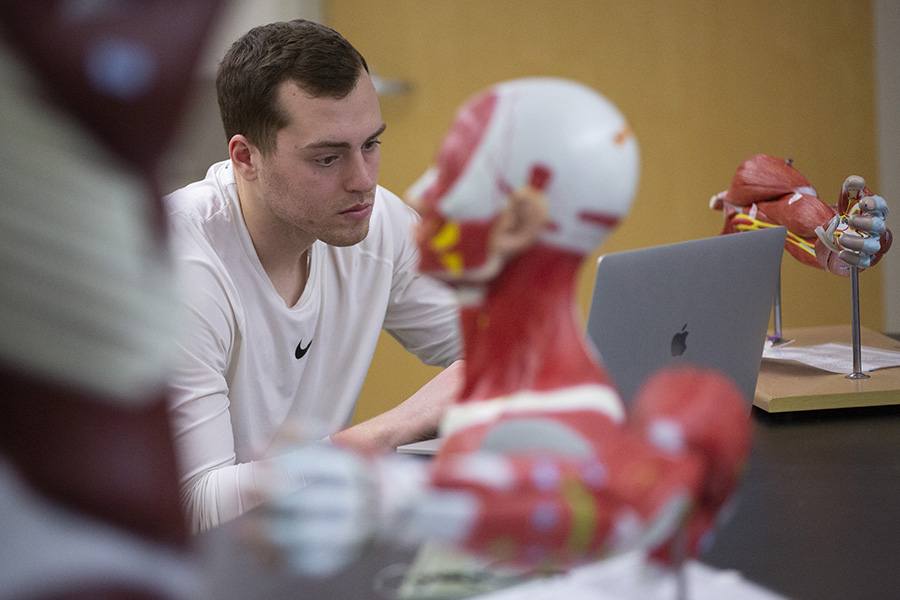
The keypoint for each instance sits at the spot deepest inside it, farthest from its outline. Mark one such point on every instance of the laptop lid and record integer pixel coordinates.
(704, 302)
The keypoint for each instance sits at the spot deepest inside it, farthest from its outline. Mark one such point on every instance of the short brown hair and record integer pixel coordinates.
(316, 58)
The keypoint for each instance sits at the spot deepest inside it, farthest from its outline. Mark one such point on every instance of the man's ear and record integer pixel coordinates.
(244, 157)
(520, 223)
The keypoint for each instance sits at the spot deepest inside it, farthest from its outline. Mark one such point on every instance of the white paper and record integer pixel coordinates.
(627, 577)
(836, 358)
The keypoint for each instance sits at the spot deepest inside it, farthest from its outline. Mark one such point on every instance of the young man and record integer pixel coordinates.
(294, 260)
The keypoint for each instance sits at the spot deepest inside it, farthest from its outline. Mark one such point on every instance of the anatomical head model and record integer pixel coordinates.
(581, 157)
(540, 463)
(533, 174)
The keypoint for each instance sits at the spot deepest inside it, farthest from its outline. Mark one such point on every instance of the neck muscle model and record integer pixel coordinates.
(524, 335)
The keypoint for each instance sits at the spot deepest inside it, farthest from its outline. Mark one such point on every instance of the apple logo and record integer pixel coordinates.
(679, 341)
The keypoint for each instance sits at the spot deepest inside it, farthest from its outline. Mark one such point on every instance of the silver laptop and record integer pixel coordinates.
(704, 302)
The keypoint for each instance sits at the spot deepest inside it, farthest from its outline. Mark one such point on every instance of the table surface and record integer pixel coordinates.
(819, 510)
(817, 518)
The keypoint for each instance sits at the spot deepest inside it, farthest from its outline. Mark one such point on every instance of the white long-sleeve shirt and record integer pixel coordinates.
(239, 381)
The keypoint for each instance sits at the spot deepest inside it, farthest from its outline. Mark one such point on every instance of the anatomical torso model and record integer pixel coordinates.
(540, 463)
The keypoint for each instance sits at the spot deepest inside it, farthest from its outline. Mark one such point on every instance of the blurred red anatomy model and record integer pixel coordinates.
(91, 93)
(767, 191)
(540, 463)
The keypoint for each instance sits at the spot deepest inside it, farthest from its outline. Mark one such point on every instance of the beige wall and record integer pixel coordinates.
(705, 84)
(200, 140)
(886, 26)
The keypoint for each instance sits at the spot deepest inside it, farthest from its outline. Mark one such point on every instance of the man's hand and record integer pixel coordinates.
(415, 419)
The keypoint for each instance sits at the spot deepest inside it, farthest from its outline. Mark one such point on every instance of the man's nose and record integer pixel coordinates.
(362, 173)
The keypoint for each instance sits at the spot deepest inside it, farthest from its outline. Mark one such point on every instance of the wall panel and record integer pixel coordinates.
(704, 83)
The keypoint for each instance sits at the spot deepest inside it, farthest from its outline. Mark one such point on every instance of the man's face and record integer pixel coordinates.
(319, 183)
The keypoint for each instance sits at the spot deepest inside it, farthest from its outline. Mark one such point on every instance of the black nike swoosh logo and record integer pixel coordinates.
(300, 352)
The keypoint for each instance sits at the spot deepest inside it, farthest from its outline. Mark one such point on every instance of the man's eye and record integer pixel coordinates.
(326, 161)
(371, 144)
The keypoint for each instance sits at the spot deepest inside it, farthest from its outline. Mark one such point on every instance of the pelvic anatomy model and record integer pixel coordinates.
(767, 191)
(540, 464)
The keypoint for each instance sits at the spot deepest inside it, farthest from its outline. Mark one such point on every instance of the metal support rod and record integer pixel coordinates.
(777, 335)
(854, 308)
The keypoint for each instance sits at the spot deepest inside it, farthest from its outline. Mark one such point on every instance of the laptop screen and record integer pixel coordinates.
(704, 302)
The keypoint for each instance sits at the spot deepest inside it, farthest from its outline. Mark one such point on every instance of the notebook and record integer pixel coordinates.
(704, 302)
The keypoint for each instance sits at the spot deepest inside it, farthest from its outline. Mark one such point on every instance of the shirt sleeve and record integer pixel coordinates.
(214, 487)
